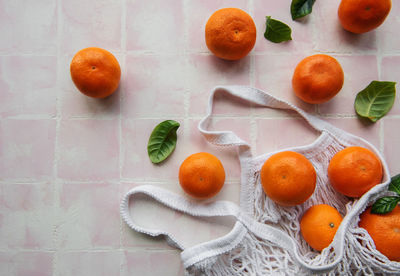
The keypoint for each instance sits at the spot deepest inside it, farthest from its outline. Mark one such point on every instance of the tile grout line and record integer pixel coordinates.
(57, 185)
(121, 99)
(252, 76)
(186, 95)
(379, 62)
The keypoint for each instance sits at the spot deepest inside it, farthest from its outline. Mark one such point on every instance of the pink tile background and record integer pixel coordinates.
(26, 263)
(27, 149)
(88, 149)
(27, 216)
(66, 160)
(302, 34)
(154, 86)
(28, 27)
(88, 216)
(83, 25)
(149, 26)
(28, 85)
(88, 263)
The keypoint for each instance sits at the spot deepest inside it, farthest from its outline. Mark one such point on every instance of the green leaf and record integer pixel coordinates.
(277, 31)
(162, 141)
(300, 8)
(375, 100)
(385, 204)
(394, 185)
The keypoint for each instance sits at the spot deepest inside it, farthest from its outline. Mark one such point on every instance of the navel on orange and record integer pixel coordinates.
(354, 170)
(319, 224)
(95, 72)
(202, 175)
(230, 33)
(288, 178)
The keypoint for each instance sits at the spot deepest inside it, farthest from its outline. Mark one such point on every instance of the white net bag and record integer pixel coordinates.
(266, 238)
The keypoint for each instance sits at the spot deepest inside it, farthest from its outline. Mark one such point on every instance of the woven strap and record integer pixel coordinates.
(214, 209)
(226, 208)
(258, 97)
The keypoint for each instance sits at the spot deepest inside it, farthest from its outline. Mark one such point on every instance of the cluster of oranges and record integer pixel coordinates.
(288, 178)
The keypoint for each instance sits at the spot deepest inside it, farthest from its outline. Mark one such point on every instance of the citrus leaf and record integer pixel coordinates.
(162, 141)
(385, 204)
(277, 31)
(394, 185)
(375, 100)
(300, 8)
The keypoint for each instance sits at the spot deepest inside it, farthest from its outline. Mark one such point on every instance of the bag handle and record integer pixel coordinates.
(255, 96)
(214, 209)
(178, 203)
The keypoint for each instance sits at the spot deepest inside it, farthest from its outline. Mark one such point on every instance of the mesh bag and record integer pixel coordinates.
(266, 239)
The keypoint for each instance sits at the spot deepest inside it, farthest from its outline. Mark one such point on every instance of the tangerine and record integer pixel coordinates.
(201, 175)
(230, 33)
(384, 230)
(354, 170)
(319, 225)
(317, 79)
(361, 16)
(95, 72)
(288, 178)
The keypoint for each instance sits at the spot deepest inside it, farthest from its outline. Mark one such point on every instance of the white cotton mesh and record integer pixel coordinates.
(282, 251)
(254, 256)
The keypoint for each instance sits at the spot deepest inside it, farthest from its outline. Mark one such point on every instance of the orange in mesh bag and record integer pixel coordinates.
(266, 238)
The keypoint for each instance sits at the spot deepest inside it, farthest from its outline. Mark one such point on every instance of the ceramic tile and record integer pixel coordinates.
(302, 29)
(28, 27)
(89, 263)
(391, 150)
(88, 149)
(359, 71)
(274, 75)
(390, 71)
(155, 27)
(207, 71)
(28, 86)
(154, 86)
(26, 263)
(278, 134)
(89, 216)
(84, 25)
(330, 35)
(387, 33)
(26, 216)
(27, 149)
(135, 161)
(152, 263)
(364, 129)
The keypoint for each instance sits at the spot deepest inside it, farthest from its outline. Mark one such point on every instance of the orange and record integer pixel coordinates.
(360, 16)
(202, 175)
(230, 33)
(95, 72)
(317, 79)
(384, 231)
(288, 178)
(319, 225)
(354, 170)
